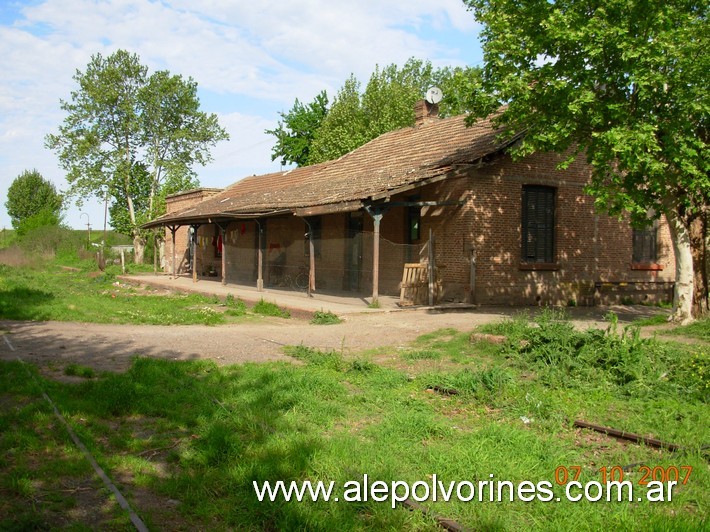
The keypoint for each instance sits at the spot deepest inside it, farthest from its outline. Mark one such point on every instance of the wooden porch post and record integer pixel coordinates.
(311, 260)
(432, 266)
(173, 230)
(223, 234)
(194, 253)
(259, 259)
(311, 265)
(376, 219)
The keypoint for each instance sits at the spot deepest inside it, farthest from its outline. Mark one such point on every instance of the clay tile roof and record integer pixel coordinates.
(393, 160)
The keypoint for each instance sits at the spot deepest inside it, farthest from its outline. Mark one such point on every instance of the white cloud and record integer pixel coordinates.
(258, 55)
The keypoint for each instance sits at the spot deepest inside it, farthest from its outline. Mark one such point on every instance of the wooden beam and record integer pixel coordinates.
(311, 263)
(405, 188)
(376, 215)
(259, 259)
(173, 229)
(331, 208)
(194, 253)
(424, 203)
(432, 266)
(223, 235)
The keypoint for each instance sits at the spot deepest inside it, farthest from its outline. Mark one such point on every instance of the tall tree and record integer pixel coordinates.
(296, 130)
(313, 133)
(622, 82)
(122, 123)
(343, 129)
(33, 201)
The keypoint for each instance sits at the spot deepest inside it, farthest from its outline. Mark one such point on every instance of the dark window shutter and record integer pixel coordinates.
(644, 245)
(538, 224)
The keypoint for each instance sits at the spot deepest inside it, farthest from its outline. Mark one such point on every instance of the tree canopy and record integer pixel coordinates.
(33, 201)
(132, 136)
(296, 130)
(622, 82)
(313, 133)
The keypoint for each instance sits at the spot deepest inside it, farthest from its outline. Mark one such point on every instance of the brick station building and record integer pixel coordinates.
(438, 211)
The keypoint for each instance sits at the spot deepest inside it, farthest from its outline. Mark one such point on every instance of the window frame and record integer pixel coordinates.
(533, 253)
(644, 246)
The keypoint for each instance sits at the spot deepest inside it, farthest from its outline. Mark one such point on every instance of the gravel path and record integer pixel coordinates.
(53, 345)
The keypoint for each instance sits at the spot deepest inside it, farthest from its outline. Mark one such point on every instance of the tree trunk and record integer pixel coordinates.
(700, 242)
(683, 291)
(138, 249)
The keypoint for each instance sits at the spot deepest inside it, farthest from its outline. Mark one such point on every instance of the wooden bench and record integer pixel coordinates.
(415, 284)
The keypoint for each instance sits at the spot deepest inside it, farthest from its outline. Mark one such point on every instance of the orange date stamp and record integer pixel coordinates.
(678, 474)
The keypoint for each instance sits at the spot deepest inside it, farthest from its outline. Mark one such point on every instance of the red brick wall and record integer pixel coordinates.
(590, 248)
(592, 251)
(175, 203)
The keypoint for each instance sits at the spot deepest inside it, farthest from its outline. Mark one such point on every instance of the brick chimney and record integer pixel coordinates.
(425, 112)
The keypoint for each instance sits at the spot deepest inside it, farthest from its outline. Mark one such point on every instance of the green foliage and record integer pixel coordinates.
(316, 357)
(297, 129)
(375, 303)
(699, 330)
(617, 358)
(267, 308)
(235, 306)
(313, 133)
(200, 433)
(321, 317)
(483, 384)
(132, 136)
(54, 241)
(623, 83)
(78, 370)
(48, 292)
(32, 202)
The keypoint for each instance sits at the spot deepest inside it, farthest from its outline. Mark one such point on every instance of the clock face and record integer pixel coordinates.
(434, 95)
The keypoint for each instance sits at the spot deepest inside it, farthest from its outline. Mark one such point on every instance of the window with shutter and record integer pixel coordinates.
(538, 224)
(644, 245)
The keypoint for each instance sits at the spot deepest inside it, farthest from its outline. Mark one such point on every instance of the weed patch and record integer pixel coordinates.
(325, 318)
(235, 306)
(267, 308)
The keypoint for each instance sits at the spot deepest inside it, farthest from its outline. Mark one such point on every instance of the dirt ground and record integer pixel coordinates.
(53, 345)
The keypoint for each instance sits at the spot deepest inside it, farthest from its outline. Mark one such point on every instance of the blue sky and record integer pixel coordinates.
(251, 60)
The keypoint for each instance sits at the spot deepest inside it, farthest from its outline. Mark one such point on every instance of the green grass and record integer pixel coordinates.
(658, 319)
(199, 433)
(699, 330)
(78, 370)
(267, 308)
(51, 292)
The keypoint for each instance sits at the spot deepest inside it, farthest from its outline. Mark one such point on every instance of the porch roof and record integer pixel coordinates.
(392, 162)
